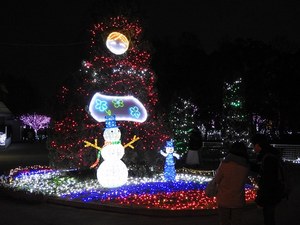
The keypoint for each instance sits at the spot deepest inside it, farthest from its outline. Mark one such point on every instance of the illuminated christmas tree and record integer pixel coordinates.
(118, 65)
(235, 126)
(182, 119)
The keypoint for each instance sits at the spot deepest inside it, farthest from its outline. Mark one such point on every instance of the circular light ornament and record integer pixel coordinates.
(117, 43)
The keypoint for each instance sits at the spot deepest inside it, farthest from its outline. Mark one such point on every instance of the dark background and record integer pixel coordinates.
(197, 46)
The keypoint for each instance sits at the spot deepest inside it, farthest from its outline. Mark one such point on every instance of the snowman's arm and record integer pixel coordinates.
(134, 139)
(95, 145)
(88, 144)
(95, 164)
(163, 153)
(176, 155)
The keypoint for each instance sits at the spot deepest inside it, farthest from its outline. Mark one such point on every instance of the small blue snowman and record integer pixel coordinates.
(169, 169)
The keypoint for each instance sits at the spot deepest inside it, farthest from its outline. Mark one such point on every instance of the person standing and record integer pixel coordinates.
(194, 157)
(269, 187)
(231, 177)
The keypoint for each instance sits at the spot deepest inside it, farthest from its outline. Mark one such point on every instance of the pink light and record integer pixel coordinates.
(35, 121)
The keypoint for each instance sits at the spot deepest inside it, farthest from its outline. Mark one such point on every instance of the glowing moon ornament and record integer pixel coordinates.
(117, 43)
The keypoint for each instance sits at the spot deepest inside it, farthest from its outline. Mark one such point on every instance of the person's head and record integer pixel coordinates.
(239, 149)
(195, 141)
(259, 141)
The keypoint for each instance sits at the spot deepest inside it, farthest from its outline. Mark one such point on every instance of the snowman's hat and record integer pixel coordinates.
(110, 122)
(170, 144)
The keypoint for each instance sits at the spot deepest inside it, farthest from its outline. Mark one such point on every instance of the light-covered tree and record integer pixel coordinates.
(36, 122)
(235, 121)
(182, 119)
(118, 65)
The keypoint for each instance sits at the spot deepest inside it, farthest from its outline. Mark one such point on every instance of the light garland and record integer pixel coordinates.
(186, 192)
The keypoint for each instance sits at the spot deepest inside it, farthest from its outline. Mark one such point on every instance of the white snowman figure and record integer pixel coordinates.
(112, 172)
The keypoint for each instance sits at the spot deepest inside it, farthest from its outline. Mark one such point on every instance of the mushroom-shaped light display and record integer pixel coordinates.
(126, 108)
(117, 43)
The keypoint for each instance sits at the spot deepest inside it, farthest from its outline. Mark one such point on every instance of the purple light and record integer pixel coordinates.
(35, 121)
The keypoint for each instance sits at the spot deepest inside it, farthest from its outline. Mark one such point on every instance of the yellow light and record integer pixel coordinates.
(117, 43)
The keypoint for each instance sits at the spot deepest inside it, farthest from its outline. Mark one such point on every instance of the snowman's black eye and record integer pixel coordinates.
(111, 131)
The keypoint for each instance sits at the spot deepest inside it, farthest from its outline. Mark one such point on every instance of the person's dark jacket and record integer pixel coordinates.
(269, 189)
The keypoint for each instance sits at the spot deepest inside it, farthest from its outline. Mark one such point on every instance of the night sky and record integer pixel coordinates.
(48, 40)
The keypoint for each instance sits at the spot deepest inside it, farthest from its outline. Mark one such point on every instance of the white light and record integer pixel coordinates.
(2, 138)
(112, 172)
(117, 43)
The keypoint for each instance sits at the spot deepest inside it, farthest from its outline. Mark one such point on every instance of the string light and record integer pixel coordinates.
(117, 75)
(186, 192)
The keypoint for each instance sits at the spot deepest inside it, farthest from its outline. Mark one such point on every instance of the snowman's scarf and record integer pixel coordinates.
(111, 143)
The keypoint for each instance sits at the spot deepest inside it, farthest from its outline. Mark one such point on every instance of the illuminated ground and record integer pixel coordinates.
(66, 187)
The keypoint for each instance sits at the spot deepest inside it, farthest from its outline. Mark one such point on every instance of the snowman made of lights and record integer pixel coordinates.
(112, 172)
(169, 168)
